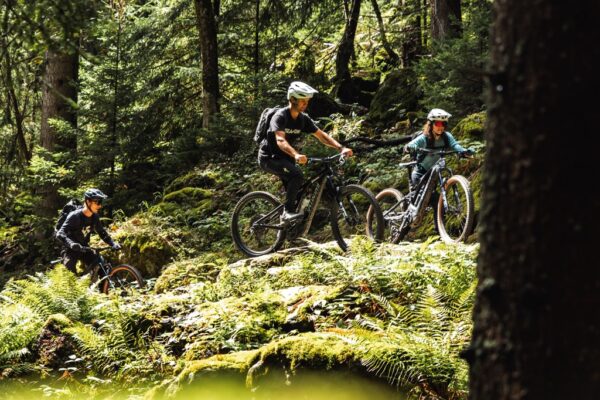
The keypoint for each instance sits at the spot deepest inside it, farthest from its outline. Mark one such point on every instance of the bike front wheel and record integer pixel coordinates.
(455, 219)
(349, 215)
(392, 206)
(255, 226)
(124, 280)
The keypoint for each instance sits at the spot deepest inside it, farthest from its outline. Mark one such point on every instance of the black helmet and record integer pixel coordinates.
(94, 194)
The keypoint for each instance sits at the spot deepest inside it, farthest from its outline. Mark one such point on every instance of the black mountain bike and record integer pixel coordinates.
(453, 213)
(122, 279)
(256, 227)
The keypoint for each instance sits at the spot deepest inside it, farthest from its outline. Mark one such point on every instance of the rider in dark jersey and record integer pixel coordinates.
(76, 230)
(276, 152)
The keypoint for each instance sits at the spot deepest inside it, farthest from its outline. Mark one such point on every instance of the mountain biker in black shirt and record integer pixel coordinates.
(75, 232)
(276, 153)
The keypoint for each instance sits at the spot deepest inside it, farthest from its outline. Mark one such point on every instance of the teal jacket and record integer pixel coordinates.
(420, 142)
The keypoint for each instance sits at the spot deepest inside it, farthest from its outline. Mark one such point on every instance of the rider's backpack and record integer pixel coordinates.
(71, 206)
(263, 124)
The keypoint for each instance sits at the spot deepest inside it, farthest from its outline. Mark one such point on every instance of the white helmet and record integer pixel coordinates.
(437, 114)
(300, 90)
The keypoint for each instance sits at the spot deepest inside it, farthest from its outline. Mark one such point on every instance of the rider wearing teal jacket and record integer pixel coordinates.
(435, 137)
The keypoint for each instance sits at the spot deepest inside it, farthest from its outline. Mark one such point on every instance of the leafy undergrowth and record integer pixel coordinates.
(400, 314)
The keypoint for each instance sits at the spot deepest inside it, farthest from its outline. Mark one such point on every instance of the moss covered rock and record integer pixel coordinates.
(397, 95)
(184, 273)
(197, 179)
(314, 351)
(188, 195)
(472, 126)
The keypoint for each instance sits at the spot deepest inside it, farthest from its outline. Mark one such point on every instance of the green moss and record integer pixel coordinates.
(59, 321)
(471, 126)
(397, 94)
(188, 195)
(237, 362)
(183, 273)
(146, 251)
(193, 179)
(314, 350)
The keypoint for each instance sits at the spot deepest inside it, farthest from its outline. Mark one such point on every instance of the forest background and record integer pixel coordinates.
(129, 95)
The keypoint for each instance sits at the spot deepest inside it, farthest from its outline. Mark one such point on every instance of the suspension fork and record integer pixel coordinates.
(337, 197)
(442, 183)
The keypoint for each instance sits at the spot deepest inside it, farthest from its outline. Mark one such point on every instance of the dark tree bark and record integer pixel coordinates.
(13, 109)
(346, 47)
(536, 319)
(256, 39)
(411, 43)
(455, 9)
(60, 89)
(445, 19)
(384, 42)
(205, 20)
(58, 97)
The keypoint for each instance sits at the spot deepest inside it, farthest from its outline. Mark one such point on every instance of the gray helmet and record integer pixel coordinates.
(437, 114)
(94, 194)
(300, 90)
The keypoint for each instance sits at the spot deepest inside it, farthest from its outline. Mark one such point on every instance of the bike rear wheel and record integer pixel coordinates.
(455, 222)
(253, 224)
(124, 280)
(350, 217)
(392, 206)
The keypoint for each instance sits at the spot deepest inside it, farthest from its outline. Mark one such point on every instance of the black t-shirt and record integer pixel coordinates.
(294, 128)
(77, 228)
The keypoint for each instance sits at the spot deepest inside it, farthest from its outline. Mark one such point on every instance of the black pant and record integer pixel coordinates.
(290, 175)
(417, 174)
(71, 257)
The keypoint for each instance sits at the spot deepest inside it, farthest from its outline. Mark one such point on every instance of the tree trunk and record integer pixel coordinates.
(256, 47)
(445, 19)
(346, 47)
(12, 107)
(440, 19)
(536, 319)
(455, 12)
(411, 38)
(205, 20)
(58, 97)
(386, 45)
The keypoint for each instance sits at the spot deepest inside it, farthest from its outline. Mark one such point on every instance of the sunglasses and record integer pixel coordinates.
(99, 202)
(440, 123)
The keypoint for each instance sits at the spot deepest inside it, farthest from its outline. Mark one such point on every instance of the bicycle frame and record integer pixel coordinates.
(420, 194)
(321, 181)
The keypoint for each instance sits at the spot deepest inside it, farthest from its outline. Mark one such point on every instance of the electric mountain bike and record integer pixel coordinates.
(257, 229)
(122, 279)
(453, 212)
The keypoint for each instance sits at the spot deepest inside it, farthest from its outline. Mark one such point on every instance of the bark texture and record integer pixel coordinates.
(445, 19)
(536, 318)
(58, 99)
(411, 37)
(346, 47)
(207, 28)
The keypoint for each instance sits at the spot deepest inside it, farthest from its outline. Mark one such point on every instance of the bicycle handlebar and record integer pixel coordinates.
(326, 160)
(437, 152)
(98, 249)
